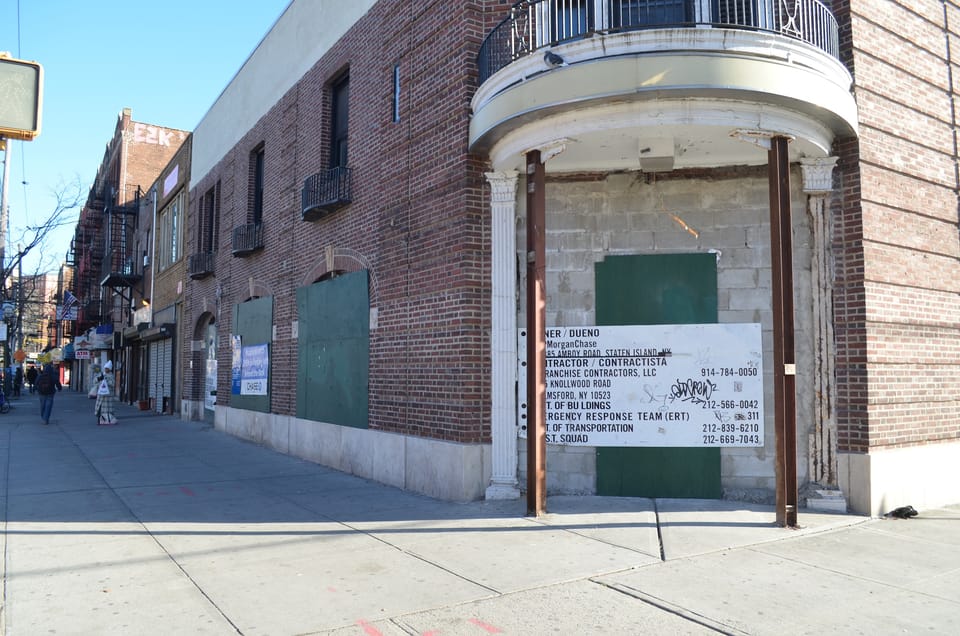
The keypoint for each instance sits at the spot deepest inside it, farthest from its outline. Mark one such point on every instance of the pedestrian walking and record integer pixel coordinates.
(32, 377)
(106, 400)
(17, 380)
(47, 386)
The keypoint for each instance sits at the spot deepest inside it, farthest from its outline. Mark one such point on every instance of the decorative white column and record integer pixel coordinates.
(503, 335)
(818, 184)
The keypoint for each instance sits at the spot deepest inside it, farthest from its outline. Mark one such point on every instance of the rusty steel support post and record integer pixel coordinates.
(536, 337)
(784, 360)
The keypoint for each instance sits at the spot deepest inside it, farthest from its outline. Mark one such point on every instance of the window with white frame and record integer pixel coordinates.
(168, 233)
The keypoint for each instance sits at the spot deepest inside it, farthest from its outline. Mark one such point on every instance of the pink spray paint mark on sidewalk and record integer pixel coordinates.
(490, 629)
(369, 629)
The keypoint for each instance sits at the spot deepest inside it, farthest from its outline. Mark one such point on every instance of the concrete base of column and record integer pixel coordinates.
(499, 491)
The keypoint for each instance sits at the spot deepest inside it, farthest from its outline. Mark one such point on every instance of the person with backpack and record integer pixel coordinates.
(47, 386)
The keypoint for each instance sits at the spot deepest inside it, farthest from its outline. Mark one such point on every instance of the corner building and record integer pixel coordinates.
(357, 234)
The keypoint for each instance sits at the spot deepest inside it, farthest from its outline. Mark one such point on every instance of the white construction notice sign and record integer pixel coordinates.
(657, 385)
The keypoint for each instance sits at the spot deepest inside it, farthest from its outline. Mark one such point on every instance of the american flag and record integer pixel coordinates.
(69, 300)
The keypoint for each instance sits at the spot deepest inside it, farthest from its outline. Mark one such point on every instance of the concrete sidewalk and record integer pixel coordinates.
(159, 526)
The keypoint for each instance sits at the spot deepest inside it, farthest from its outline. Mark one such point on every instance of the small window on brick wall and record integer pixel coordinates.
(255, 208)
(209, 219)
(396, 93)
(340, 93)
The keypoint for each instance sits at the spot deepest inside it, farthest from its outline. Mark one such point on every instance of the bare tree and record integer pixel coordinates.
(33, 237)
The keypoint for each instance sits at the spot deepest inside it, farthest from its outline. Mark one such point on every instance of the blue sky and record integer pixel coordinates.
(167, 61)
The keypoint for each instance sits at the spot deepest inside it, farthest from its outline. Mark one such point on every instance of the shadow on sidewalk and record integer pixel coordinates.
(158, 469)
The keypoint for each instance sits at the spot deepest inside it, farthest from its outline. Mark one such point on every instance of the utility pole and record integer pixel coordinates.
(22, 83)
(19, 297)
(4, 213)
(5, 147)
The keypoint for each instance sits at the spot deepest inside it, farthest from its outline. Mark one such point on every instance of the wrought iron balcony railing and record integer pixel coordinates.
(532, 25)
(120, 270)
(200, 265)
(247, 239)
(324, 193)
(115, 241)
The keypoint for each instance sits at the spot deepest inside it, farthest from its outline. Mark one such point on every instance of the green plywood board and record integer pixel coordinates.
(649, 290)
(253, 322)
(334, 350)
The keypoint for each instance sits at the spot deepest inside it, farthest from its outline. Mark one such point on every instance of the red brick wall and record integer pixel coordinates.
(418, 216)
(896, 241)
(132, 161)
(148, 150)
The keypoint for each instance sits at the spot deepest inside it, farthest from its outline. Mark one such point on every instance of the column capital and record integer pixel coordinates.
(503, 185)
(818, 174)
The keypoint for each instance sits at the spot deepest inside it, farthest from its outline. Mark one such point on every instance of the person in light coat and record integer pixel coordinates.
(106, 398)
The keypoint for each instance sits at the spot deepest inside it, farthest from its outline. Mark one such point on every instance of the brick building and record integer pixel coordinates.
(897, 258)
(152, 339)
(33, 319)
(105, 253)
(358, 244)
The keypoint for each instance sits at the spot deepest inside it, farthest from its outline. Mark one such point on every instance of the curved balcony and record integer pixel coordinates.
(201, 265)
(324, 193)
(659, 84)
(247, 239)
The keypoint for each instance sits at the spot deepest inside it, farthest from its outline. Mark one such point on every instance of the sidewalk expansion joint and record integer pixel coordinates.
(656, 514)
(671, 608)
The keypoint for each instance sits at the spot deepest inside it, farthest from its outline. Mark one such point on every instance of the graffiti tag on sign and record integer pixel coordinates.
(652, 385)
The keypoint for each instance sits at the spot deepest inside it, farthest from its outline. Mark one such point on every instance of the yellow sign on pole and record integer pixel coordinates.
(21, 98)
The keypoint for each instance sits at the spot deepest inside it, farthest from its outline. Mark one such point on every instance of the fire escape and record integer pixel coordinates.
(87, 247)
(119, 269)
